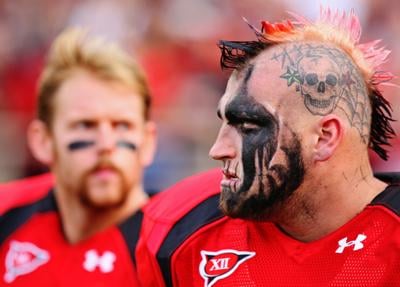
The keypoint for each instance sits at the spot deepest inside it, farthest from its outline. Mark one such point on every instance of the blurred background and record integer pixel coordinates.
(175, 42)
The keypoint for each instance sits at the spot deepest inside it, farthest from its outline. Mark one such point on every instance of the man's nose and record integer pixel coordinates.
(106, 137)
(223, 147)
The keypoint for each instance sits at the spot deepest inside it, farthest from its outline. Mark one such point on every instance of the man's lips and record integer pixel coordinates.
(104, 172)
(228, 174)
(229, 178)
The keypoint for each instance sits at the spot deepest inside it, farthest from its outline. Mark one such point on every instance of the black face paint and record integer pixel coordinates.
(126, 144)
(80, 144)
(244, 109)
(287, 179)
(259, 143)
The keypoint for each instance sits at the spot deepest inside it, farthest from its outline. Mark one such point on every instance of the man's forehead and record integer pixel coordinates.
(263, 78)
(238, 86)
(232, 89)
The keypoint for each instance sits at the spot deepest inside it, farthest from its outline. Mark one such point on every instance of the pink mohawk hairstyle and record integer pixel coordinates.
(338, 28)
(374, 55)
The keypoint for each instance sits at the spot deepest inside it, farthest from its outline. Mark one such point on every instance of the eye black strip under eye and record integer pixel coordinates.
(126, 144)
(85, 144)
(80, 145)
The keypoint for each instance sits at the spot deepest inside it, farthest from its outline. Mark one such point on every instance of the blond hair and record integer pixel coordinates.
(74, 49)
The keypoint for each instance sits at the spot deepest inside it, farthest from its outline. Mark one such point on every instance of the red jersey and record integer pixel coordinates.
(34, 252)
(186, 241)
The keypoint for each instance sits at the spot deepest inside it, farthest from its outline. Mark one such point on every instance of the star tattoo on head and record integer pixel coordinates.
(292, 76)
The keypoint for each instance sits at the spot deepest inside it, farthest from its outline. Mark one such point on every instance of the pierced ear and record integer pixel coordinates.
(330, 134)
(150, 144)
(40, 142)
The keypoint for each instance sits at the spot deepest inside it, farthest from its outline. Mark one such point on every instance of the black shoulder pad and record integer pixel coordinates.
(389, 177)
(13, 219)
(130, 230)
(201, 215)
(389, 198)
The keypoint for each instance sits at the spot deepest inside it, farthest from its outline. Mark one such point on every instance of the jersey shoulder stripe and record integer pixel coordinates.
(16, 217)
(172, 216)
(130, 230)
(203, 214)
(185, 208)
(24, 191)
(390, 198)
(170, 205)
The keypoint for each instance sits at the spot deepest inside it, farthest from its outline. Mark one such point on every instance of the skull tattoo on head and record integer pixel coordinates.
(327, 78)
(320, 84)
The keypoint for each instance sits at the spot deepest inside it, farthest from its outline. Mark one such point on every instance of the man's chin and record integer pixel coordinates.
(244, 206)
(104, 200)
(230, 202)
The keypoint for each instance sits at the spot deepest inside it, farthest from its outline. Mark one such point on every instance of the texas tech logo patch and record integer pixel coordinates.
(215, 266)
(23, 258)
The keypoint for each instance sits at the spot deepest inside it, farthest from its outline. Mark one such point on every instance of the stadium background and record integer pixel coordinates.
(175, 41)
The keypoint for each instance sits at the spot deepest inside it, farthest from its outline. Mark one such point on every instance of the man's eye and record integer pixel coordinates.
(247, 127)
(122, 125)
(85, 125)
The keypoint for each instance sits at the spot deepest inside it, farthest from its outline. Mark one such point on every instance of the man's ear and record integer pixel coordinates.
(330, 134)
(40, 142)
(150, 144)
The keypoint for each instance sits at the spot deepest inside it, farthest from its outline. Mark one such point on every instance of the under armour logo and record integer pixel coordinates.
(356, 243)
(105, 262)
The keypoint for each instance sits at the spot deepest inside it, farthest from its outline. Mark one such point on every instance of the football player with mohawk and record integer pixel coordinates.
(297, 202)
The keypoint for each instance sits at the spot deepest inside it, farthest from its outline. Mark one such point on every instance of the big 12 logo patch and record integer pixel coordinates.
(217, 265)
